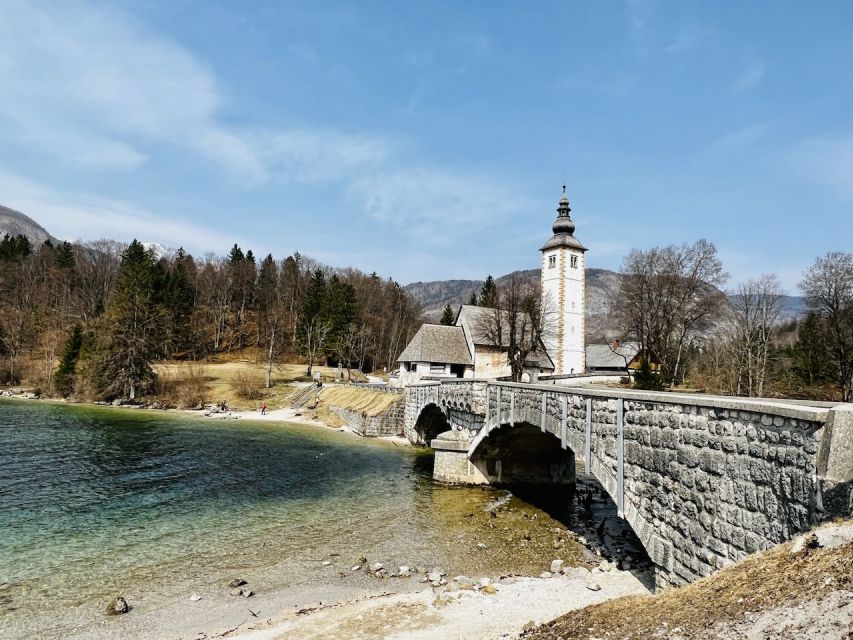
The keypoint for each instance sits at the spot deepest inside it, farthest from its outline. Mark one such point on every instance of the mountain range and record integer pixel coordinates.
(602, 289)
(15, 223)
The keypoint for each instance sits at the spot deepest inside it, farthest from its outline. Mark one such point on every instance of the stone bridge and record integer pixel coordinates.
(702, 480)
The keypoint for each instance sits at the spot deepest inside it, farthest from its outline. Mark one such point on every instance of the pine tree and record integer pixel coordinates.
(179, 300)
(447, 316)
(647, 379)
(64, 379)
(235, 255)
(473, 299)
(131, 332)
(314, 325)
(64, 256)
(489, 293)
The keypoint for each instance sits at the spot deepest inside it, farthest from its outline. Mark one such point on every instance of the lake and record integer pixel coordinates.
(96, 502)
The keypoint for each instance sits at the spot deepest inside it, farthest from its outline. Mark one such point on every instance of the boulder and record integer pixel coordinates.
(556, 566)
(117, 606)
(592, 585)
(195, 597)
(237, 582)
(545, 574)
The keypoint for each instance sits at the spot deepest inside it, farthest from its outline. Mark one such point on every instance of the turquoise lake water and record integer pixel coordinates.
(95, 502)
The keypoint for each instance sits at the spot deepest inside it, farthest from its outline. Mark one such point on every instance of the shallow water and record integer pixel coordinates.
(96, 502)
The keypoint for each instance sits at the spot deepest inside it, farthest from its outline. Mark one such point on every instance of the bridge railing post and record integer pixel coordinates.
(486, 421)
(498, 409)
(564, 419)
(587, 442)
(620, 457)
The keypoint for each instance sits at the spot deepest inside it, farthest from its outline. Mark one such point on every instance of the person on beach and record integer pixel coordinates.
(263, 408)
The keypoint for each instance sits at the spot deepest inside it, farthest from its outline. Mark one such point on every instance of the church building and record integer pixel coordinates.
(461, 351)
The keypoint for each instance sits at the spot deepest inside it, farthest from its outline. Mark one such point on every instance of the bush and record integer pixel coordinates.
(249, 385)
(185, 389)
(647, 379)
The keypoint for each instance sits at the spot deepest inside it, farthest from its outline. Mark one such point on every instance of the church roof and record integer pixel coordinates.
(611, 356)
(438, 343)
(564, 227)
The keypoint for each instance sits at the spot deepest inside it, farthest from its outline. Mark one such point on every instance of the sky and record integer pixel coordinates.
(430, 140)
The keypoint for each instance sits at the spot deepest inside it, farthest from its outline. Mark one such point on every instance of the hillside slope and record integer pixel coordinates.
(602, 285)
(15, 223)
(793, 591)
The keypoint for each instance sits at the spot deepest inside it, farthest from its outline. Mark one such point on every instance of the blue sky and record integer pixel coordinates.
(429, 140)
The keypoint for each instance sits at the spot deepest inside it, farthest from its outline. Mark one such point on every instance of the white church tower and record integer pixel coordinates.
(564, 290)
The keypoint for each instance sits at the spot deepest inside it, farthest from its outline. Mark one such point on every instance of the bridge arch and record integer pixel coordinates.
(431, 422)
(523, 454)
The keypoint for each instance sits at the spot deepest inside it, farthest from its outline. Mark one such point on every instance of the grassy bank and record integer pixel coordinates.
(776, 584)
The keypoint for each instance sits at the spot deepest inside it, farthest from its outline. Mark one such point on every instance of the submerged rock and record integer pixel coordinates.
(237, 582)
(117, 606)
(195, 597)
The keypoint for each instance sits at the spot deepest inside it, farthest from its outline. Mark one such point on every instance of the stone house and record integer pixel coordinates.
(436, 351)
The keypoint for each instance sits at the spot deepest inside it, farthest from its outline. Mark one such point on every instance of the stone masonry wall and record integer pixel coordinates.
(706, 481)
(388, 423)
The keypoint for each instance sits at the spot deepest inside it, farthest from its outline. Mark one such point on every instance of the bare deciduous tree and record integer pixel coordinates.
(756, 308)
(520, 324)
(828, 288)
(668, 297)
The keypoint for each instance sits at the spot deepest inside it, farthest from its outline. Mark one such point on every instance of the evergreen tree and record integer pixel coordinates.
(473, 299)
(235, 255)
(314, 326)
(131, 331)
(64, 379)
(14, 248)
(647, 379)
(489, 293)
(178, 296)
(64, 256)
(447, 316)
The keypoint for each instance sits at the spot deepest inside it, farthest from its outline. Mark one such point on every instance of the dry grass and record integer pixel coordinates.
(249, 384)
(242, 383)
(761, 582)
(185, 388)
(366, 401)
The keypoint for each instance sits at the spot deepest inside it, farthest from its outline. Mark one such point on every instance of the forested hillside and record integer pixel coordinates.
(91, 318)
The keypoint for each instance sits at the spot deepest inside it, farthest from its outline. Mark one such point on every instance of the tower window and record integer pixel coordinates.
(574, 262)
(552, 262)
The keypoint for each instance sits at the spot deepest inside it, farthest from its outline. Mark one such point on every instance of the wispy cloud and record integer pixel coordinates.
(94, 88)
(431, 202)
(685, 41)
(750, 76)
(738, 140)
(826, 160)
(82, 216)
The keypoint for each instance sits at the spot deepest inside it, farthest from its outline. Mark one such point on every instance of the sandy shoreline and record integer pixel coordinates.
(405, 610)
(461, 614)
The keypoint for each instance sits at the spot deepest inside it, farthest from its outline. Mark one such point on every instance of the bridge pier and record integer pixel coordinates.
(451, 464)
